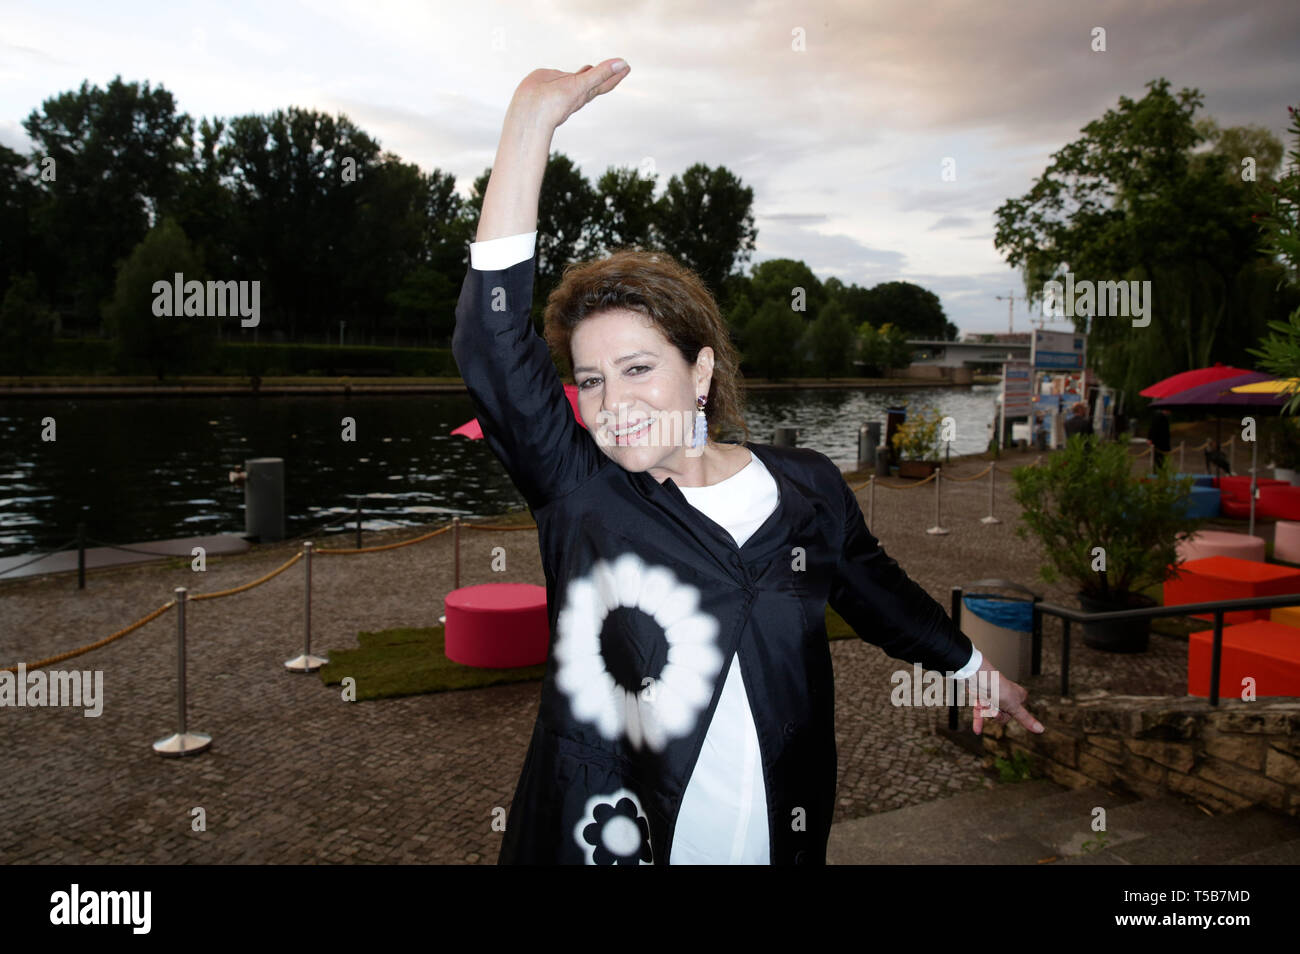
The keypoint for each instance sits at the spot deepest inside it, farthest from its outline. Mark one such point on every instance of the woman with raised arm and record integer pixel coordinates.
(687, 710)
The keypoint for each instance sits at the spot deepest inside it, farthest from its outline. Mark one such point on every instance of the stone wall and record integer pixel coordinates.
(1224, 757)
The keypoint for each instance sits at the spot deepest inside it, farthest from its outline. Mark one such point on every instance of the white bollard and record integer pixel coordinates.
(182, 742)
(990, 519)
(937, 529)
(306, 662)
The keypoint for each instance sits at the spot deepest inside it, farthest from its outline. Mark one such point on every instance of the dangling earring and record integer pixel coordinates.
(701, 423)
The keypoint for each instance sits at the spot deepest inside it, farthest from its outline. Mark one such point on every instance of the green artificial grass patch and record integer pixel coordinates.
(836, 628)
(410, 661)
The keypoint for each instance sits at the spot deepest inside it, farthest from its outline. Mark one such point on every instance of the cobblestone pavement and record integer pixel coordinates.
(297, 775)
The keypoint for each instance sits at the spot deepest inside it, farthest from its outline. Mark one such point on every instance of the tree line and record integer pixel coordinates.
(121, 190)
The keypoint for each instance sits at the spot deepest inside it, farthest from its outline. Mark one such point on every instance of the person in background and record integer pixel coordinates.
(1159, 435)
(1078, 421)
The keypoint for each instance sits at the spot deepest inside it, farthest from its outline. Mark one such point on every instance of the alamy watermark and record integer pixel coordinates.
(56, 687)
(661, 429)
(919, 687)
(129, 908)
(1123, 299)
(195, 299)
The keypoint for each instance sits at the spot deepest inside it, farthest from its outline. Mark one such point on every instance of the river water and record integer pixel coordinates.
(136, 469)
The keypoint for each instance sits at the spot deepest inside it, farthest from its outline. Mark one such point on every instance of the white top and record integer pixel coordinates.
(723, 815)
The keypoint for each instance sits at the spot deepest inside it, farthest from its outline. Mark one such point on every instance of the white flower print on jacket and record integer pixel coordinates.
(670, 706)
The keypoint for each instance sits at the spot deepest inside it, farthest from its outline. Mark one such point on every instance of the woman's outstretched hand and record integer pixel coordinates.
(1010, 702)
(549, 97)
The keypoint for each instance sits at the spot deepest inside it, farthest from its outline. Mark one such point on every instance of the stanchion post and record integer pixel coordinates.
(306, 662)
(952, 683)
(871, 500)
(937, 529)
(358, 521)
(1254, 484)
(183, 742)
(990, 519)
(81, 556)
(455, 545)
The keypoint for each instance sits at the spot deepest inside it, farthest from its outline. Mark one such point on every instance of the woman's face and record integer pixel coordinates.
(636, 393)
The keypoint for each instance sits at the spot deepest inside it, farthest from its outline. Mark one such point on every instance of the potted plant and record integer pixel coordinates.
(1108, 531)
(1286, 450)
(917, 443)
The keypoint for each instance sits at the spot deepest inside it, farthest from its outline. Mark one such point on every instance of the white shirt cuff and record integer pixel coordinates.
(497, 254)
(971, 667)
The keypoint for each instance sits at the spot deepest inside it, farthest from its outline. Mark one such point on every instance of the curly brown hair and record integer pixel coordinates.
(674, 298)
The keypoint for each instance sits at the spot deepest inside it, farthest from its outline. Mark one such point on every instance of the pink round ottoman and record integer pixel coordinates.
(497, 625)
(1208, 543)
(1286, 541)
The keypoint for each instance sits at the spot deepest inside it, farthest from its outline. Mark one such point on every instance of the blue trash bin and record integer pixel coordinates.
(1000, 627)
(1203, 502)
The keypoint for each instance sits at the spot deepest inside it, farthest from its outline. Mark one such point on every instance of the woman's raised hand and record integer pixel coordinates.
(544, 100)
(550, 97)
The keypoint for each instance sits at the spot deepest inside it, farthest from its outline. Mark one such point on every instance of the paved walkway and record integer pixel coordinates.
(297, 775)
(97, 558)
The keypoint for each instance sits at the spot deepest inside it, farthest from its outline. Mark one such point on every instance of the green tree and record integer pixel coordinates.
(27, 326)
(116, 158)
(773, 340)
(1279, 352)
(19, 196)
(705, 220)
(832, 341)
(1131, 200)
(140, 337)
(302, 182)
(916, 311)
(625, 209)
(739, 317)
(426, 297)
(786, 281)
(204, 203)
(882, 348)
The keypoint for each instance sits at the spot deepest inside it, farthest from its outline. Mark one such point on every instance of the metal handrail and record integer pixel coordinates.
(1006, 585)
(1069, 615)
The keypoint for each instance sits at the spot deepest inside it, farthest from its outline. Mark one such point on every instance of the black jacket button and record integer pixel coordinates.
(790, 728)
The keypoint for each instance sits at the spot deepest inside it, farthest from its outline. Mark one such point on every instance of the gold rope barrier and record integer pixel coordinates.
(103, 642)
(388, 546)
(70, 654)
(248, 586)
(974, 477)
(919, 483)
(488, 526)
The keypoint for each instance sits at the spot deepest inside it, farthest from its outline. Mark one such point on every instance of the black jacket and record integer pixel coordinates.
(632, 569)
(1077, 424)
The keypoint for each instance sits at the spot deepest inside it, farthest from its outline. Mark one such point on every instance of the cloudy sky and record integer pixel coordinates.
(843, 141)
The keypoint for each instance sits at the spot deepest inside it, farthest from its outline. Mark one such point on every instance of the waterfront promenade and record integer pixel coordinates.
(297, 775)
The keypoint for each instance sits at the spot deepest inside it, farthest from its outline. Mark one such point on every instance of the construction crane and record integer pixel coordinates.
(1010, 299)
